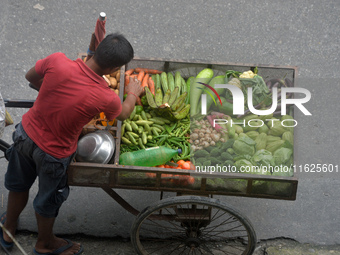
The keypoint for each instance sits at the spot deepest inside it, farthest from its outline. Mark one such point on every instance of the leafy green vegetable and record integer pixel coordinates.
(243, 163)
(244, 145)
(282, 156)
(201, 153)
(215, 152)
(260, 89)
(264, 158)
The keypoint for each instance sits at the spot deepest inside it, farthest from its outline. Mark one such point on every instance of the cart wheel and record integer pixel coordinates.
(192, 225)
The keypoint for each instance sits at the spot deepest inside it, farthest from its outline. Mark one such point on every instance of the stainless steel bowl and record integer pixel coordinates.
(96, 147)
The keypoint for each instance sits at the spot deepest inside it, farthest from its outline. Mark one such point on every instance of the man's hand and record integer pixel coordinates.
(34, 78)
(133, 90)
(134, 87)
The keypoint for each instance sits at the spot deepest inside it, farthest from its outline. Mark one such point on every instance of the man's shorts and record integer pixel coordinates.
(27, 162)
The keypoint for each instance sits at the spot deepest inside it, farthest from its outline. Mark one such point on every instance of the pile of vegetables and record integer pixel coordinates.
(270, 144)
(168, 114)
(171, 96)
(146, 129)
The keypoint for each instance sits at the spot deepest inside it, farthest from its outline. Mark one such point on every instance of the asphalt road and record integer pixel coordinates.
(302, 33)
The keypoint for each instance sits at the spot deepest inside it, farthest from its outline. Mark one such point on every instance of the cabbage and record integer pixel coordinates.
(245, 163)
(264, 158)
(244, 145)
(282, 156)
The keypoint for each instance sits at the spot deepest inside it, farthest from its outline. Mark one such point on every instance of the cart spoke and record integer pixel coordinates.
(193, 226)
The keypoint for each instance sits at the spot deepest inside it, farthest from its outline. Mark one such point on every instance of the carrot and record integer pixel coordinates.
(140, 76)
(151, 84)
(129, 72)
(147, 70)
(127, 80)
(145, 80)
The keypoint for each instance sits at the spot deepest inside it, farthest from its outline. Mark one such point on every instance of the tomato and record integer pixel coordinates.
(178, 167)
(191, 180)
(180, 162)
(186, 165)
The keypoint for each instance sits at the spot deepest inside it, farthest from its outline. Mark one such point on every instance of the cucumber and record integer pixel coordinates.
(189, 81)
(143, 122)
(216, 80)
(178, 82)
(171, 81)
(158, 81)
(195, 93)
(126, 141)
(157, 121)
(164, 82)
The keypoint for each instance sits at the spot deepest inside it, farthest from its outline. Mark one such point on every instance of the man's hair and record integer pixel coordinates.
(114, 51)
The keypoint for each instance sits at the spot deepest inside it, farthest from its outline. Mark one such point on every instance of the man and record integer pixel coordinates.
(71, 94)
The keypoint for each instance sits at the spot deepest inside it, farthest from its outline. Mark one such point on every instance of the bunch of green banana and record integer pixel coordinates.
(171, 98)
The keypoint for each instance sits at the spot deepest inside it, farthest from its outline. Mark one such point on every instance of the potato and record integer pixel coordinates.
(118, 75)
(118, 85)
(113, 82)
(114, 73)
(117, 91)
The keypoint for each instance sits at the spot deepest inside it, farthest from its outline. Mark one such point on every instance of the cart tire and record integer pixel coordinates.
(192, 225)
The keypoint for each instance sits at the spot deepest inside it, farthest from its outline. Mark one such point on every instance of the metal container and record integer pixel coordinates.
(96, 147)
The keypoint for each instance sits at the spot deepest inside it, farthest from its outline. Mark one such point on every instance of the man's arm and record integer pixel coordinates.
(34, 78)
(133, 91)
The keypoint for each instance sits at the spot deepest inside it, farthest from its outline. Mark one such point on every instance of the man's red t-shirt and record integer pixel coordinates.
(70, 96)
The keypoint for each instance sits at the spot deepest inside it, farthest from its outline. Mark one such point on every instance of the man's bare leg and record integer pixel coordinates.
(47, 241)
(16, 204)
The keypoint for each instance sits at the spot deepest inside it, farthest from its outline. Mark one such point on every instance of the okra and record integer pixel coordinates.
(161, 141)
(151, 144)
(148, 115)
(140, 129)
